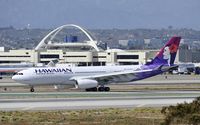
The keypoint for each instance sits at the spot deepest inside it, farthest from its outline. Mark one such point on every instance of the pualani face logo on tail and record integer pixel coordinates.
(169, 53)
(51, 71)
(166, 54)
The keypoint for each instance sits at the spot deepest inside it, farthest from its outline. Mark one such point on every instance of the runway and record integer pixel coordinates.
(18, 97)
(92, 100)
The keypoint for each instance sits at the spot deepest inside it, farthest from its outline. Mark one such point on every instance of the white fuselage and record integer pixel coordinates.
(63, 75)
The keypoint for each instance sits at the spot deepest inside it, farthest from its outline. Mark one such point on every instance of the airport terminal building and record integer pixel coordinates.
(87, 52)
(84, 58)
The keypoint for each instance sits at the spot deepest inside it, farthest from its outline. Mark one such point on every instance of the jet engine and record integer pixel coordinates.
(86, 83)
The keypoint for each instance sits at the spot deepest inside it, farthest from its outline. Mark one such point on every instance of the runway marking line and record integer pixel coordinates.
(141, 105)
(27, 108)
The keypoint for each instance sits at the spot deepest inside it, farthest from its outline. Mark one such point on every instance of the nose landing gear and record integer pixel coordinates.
(32, 89)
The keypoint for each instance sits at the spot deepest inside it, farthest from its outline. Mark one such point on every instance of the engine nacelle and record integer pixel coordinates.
(86, 83)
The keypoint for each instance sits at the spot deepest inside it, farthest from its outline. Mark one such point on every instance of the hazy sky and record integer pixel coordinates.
(101, 13)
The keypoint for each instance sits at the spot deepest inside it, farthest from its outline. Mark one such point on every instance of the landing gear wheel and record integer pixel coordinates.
(94, 89)
(107, 89)
(32, 89)
(101, 89)
(91, 89)
(87, 90)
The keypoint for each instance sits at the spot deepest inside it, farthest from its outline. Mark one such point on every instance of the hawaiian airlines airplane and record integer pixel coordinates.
(95, 78)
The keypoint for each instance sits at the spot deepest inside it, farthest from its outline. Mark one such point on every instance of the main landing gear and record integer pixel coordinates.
(100, 89)
(32, 89)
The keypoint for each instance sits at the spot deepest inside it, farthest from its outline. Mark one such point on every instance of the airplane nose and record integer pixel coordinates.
(21, 79)
(15, 78)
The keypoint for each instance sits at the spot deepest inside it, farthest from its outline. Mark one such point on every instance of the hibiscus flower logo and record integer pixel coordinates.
(173, 48)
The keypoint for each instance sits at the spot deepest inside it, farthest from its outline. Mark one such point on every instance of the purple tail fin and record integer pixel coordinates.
(167, 54)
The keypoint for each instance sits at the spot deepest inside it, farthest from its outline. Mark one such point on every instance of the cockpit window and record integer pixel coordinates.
(19, 73)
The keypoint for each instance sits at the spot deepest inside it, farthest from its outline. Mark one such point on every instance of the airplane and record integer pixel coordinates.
(95, 78)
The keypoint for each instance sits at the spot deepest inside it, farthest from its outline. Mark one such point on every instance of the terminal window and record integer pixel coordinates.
(127, 56)
(49, 56)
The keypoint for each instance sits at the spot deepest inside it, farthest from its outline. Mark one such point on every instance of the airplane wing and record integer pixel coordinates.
(124, 76)
(116, 76)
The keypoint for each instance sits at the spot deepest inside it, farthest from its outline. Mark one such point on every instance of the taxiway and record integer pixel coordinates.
(92, 100)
